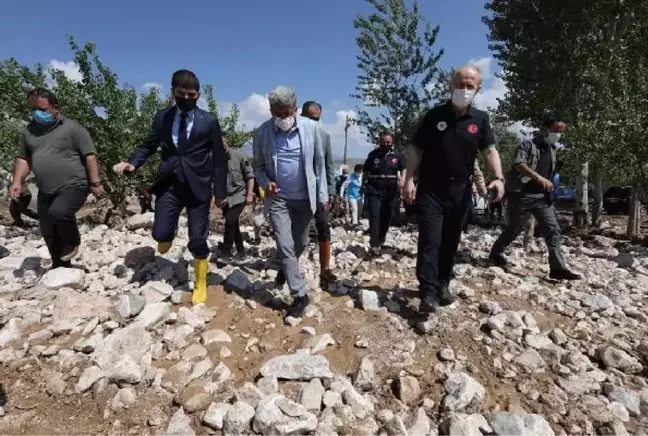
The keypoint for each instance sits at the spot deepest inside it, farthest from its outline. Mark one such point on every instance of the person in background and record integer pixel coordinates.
(478, 190)
(62, 156)
(20, 207)
(555, 181)
(381, 182)
(351, 191)
(445, 148)
(290, 166)
(313, 111)
(192, 172)
(240, 193)
(529, 190)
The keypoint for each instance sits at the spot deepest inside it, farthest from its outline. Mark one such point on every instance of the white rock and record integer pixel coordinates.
(156, 292)
(297, 367)
(215, 415)
(64, 278)
(11, 331)
(461, 391)
(238, 418)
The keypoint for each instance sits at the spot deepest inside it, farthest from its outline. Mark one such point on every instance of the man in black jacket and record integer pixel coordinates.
(193, 169)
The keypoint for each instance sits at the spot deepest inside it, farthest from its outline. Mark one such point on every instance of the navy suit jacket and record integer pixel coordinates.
(203, 162)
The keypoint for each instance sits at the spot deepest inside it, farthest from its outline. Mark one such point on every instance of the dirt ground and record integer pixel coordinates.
(258, 333)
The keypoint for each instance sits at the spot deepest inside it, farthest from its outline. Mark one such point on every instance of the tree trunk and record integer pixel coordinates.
(634, 217)
(597, 193)
(582, 204)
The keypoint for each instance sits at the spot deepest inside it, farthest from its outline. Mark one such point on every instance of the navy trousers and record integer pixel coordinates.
(169, 202)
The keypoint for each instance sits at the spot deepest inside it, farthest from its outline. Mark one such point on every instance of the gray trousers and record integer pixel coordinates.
(518, 205)
(290, 222)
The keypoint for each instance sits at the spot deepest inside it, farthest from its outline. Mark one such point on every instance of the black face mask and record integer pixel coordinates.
(186, 104)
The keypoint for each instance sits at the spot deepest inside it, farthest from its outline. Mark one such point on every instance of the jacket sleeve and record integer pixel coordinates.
(330, 170)
(150, 145)
(320, 166)
(259, 160)
(344, 187)
(220, 162)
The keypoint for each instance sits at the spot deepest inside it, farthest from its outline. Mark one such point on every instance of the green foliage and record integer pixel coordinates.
(236, 136)
(115, 115)
(580, 60)
(398, 66)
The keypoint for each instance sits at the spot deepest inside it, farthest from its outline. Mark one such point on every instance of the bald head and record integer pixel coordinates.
(466, 77)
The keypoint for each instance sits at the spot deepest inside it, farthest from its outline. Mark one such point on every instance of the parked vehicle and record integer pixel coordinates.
(565, 194)
(617, 200)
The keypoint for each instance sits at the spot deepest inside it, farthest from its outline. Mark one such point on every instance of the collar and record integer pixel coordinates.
(470, 111)
(190, 114)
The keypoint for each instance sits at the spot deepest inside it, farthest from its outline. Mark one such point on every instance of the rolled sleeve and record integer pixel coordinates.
(522, 153)
(83, 142)
(488, 139)
(23, 150)
(246, 169)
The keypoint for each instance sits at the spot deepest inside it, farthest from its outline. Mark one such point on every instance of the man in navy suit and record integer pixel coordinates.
(193, 169)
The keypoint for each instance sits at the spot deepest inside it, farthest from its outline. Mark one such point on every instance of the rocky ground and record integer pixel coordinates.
(117, 348)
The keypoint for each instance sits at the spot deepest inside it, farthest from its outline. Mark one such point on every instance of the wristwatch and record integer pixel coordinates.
(501, 179)
(95, 184)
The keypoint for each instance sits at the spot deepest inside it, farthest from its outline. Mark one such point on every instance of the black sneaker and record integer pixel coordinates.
(297, 308)
(374, 252)
(498, 259)
(564, 274)
(69, 253)
(428, 304)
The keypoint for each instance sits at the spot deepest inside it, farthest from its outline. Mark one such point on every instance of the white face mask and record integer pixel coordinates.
(463, 97)
(284, 124)
(552, 138)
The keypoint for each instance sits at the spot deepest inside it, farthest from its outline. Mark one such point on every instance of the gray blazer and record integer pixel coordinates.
(312, 146)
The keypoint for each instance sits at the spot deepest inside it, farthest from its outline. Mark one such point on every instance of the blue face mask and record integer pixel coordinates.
(43, 118)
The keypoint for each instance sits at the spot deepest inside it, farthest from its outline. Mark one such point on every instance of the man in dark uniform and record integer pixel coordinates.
(313, 110)
(381, 174)
(193, 169)
(446, 146)
(529, 191)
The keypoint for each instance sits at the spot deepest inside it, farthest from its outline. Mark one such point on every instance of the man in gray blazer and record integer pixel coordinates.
(289, 165)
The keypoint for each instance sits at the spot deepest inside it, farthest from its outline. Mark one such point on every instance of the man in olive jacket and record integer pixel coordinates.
(313, 110)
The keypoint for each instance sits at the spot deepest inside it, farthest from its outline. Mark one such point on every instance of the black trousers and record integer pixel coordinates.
(169, 202)
(57, 218)
(441, 219)
(517, 206)
(322, 225)
(381, 209)
(496, 207)
(232, 229)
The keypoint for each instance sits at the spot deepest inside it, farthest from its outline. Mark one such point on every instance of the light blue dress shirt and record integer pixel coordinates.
(291, 177)
(176, 125)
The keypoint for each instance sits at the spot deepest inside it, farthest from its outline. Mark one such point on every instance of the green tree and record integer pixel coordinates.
(577, 59)
(237, 136)
(115, 115)
(398, 67)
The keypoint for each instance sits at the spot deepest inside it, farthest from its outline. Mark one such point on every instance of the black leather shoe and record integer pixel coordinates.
(428, 304)
(446, 298)
(498, 259)
(564, 274)
(297, 308)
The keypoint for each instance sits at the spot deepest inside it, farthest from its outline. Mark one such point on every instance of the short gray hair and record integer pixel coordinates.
(282, 96)
(475, 68)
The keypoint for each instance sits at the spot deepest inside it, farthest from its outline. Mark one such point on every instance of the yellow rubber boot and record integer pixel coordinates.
(201, 267)
(164, 247)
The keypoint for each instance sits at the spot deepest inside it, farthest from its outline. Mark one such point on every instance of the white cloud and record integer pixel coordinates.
(69, 68)
(151, 85)
(255, 110)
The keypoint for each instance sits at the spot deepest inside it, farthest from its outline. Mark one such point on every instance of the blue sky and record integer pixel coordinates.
(243, 48)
